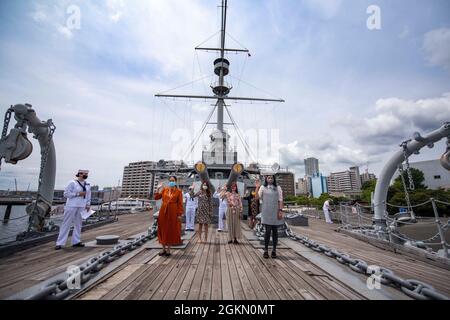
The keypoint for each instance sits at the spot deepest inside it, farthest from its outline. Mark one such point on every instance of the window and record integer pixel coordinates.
(437, 177)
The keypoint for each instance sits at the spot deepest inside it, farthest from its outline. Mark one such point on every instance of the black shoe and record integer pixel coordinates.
(274, 255)
(235, 241)
(58, 248)
(79, 244)
(266, 255)
(162, 253)
(231, 241)
(167, 254)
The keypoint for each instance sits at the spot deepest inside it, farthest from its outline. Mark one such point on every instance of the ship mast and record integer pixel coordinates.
(221, 88)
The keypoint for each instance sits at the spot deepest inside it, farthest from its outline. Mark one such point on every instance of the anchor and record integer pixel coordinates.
(15, 146)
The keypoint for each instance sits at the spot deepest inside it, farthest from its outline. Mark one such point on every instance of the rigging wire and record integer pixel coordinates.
(186, 84)
(195, 140)
(241, 73)
(247, 148)
(208, 39)
(201, 72)
(249, 84)
(236, 41)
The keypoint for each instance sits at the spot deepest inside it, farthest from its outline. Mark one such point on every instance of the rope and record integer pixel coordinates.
(405, 237)
(442, 202)
(25, 216)
(411, 206)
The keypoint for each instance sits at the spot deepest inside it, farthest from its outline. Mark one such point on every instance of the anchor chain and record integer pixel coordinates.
(6, 122)
(404, 145)
(60, 289)
(411, 287)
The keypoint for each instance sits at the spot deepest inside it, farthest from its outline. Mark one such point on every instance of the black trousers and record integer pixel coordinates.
(274, 231)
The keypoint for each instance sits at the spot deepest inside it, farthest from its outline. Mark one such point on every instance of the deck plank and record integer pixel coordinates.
(227, 287)
(185, 288)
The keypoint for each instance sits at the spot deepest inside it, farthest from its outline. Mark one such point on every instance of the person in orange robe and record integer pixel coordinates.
(170, 214)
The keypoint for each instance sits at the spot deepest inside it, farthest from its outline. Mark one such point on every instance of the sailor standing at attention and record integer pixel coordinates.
(78, 195)
(191, 206)
(223, 206)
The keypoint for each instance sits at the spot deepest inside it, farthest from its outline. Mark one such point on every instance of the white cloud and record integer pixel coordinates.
(66, 32)
(39, 16)
(396, 119)
(327, 9)
(404, 33)
(130, 124)
(436, 44)
(115, 8)
(333, 155)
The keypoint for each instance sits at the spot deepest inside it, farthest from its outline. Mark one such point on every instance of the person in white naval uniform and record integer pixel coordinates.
(223, 206)
(78, 195)
(191, 206)
(326, 211)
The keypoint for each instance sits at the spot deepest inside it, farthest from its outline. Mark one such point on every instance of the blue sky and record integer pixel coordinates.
(352, 94)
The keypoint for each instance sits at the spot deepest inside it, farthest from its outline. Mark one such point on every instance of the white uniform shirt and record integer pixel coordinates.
(72, 191)
(262, 188)
(326, 205)
(222, 202)
(190, 203)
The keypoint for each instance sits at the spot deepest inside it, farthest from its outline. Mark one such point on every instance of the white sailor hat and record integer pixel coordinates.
(81, 171)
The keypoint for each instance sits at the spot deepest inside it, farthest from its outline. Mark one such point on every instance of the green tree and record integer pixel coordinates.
(417, 176)
(366, 190)
(420, 194)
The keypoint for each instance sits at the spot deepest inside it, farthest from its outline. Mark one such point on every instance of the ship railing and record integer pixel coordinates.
(358, 217)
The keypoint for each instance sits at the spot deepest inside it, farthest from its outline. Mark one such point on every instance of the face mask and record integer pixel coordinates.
(172, 183)
(85, 177)
(205, 187)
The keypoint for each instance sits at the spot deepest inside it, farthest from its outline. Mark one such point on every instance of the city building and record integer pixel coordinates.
(285, 179)
(137, 181)
(140, 179)
(302, 186)
(110, 194)
(318, 185)
(366, 176)
(311, 166)
(345, 183)
(435, 175)
(355, 178)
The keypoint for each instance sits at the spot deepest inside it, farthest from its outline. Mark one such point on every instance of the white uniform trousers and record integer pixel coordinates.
(327, 216)
(190, 217)
(222, 212)
(71, 215)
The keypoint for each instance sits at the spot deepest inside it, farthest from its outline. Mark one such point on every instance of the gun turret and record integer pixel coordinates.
(202, 171)
(236, 171)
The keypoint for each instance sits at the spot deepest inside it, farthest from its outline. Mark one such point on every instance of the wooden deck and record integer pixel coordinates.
(31, 266)
(217, 270)
(404, 266)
